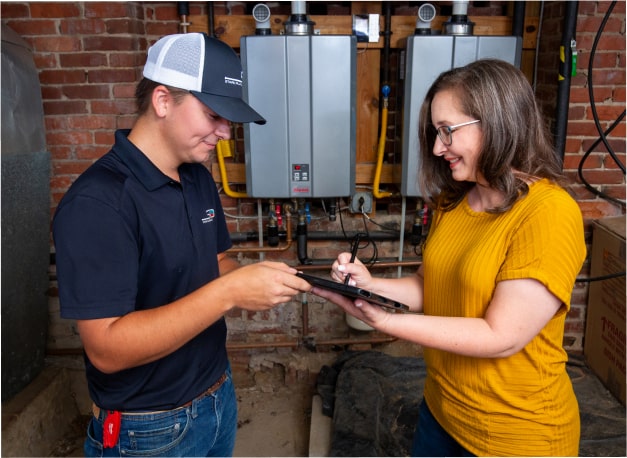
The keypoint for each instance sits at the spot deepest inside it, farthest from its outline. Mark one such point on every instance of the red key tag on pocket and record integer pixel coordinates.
(111, 429)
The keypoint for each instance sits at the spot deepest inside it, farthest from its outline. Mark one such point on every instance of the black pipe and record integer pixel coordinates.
(301, 243)
(518, 20)
(565, 71)
(182, 8)
(387, 32)
(253, 236)
(210, 25)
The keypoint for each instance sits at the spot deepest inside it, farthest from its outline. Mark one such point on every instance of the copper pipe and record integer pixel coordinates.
(374, 266)
(344, 341)
(261, 249)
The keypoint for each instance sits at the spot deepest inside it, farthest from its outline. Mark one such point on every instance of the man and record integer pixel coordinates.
(140, 247)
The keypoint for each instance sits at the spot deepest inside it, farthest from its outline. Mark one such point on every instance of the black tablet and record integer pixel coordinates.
(353, 292)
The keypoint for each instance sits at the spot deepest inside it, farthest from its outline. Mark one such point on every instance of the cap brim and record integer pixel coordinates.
(230, 108)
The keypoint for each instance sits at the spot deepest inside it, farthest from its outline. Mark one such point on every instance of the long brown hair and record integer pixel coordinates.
(516, 144)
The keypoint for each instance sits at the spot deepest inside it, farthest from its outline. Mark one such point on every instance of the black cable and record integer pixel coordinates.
(591, 91)
(602, 135)
(601, 278)
(588, 186)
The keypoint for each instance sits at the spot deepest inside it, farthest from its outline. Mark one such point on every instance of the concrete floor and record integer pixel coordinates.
(277, 412)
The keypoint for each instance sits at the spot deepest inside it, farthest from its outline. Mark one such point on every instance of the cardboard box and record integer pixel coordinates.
(604, 339)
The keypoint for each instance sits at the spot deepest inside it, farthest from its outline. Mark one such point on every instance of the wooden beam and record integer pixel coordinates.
(230, 28)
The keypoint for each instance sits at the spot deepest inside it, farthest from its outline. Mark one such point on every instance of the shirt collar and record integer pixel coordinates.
(138, 163)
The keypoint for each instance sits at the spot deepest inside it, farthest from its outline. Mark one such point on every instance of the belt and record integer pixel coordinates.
(212, 389)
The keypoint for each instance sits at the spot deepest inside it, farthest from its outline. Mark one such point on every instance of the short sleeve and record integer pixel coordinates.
(549, 244)
(96, 257)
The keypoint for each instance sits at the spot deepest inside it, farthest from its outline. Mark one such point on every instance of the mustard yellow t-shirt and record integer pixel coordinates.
(523, 404)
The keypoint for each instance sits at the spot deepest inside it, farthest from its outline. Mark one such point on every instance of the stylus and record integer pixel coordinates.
(353, 256)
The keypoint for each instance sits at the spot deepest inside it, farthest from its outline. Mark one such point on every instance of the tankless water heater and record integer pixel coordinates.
(305, 87)
(426, 57)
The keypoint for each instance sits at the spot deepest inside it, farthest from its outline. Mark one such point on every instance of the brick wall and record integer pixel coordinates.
(90, 54)
(598, 168)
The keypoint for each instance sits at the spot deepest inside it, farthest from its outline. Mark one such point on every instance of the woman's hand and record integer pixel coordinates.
(359, 274)
(372, 315)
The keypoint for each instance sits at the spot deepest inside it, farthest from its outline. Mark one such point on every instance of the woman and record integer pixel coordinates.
(504, 248)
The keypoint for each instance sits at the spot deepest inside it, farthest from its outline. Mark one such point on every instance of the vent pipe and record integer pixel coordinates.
(261, 14)
(298, 24)
(458, 23)
(426, 14)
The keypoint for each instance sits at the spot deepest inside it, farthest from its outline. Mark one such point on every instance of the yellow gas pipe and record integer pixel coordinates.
(223, 149)
(384, 122)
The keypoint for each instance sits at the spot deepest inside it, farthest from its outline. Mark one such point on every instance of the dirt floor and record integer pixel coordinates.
(271, 423)
(275, 410)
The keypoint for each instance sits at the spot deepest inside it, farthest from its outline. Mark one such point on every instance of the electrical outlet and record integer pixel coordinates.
(361, 202)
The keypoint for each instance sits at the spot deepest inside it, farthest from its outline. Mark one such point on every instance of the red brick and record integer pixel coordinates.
(69, 138)
(13, 10)
(601, 60)
(109, 43)
(45, 61)
(82, 26)
(60, 183)
(104, 137)
(87, 91)
(582, 94)
(113, 10)
(131, 59)
(610, 161)
(59, 152)
(51, 92)
(597, 209)
(54, 9)
(111, 76)
(604, 176)
(83, 59)
(56, 122)
(166, 13)
(113, 107)
(40, 27)
(92, 153)
(616, 191)
(64, 107)
(59, 44)
(605, 112)
(125, 26)
(616, 144)
(62, 76)
(124, 91)
(72, 167)
(160, 29)
(572, 162)
(91, 122)
(593, 23)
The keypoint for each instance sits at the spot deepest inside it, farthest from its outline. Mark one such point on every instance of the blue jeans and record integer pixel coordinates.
(431, 439)
(206, 428)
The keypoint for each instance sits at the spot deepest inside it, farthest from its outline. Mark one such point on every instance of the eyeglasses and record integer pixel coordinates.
(446, 132)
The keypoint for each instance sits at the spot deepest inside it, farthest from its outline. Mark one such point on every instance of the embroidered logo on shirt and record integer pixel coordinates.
(210, 215)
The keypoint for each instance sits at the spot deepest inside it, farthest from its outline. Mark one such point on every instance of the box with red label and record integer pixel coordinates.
(604, 338)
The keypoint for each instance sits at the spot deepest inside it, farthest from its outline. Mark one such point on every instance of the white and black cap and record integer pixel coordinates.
(205, 66)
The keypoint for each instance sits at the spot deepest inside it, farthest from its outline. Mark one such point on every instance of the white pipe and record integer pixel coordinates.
(460, 8)
(299, 8)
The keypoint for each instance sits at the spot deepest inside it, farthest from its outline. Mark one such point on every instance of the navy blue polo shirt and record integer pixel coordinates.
(129, 238)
